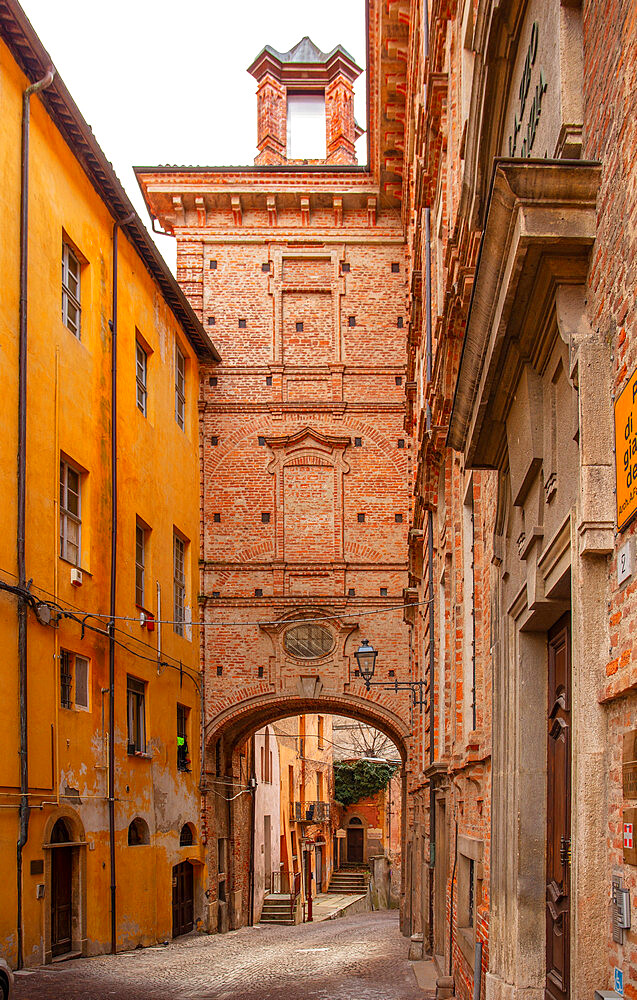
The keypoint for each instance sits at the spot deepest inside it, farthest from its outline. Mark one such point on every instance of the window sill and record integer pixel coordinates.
(74, 565)
(140, 753)
(467, 943)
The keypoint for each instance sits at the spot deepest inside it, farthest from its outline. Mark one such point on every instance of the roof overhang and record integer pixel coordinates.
(540, 226)
(34, 60)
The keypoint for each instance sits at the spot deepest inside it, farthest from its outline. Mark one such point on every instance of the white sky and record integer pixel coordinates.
(165, 82)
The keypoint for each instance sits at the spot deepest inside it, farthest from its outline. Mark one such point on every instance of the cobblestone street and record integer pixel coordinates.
(363, 957)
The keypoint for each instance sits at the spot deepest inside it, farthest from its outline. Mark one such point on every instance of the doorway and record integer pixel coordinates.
(61, 891)
(319, 869)
(355, 835)
(440, 878)
(558, 813)
(267, 851)
(183, 898)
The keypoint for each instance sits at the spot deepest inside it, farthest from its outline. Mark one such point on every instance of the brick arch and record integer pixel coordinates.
(236, 723)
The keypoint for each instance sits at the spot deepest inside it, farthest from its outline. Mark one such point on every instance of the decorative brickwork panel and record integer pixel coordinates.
(308, 497)
(308, 329)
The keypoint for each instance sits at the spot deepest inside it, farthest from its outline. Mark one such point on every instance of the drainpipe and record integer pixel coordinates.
(113, 590)
(23, 835)
(430, 560)
(430, 540)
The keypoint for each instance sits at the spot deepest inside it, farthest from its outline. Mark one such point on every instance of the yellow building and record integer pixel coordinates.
(305, 761)
(100, 770)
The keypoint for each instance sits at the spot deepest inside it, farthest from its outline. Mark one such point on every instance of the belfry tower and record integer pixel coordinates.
(298, 263)
(306, 105)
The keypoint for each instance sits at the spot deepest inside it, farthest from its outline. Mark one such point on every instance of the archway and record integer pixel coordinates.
(231, 767)
(64, 847)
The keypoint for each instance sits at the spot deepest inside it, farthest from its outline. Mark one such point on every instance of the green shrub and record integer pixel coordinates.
(360, 779)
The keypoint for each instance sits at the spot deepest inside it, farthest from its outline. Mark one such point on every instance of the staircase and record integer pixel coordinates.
(349, 880)
(276, 909)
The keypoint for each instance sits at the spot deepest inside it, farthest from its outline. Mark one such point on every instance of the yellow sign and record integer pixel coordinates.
(626, 451)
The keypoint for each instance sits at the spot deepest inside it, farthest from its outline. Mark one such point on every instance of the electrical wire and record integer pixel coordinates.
(348, 613)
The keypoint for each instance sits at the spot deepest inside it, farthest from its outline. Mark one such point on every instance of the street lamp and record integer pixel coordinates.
(366, 659)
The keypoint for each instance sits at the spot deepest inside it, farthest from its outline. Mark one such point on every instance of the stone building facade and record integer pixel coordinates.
(522, 284)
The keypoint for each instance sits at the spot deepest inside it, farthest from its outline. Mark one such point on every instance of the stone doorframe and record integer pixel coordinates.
(530, 298)
(79, 847)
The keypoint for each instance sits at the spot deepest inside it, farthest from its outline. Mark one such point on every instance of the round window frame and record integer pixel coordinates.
(314, 656)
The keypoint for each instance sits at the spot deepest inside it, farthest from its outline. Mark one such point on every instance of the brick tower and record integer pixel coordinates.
(306, 87)
(297, 264)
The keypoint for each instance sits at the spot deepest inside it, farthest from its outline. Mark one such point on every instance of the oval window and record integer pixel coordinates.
(308, 641)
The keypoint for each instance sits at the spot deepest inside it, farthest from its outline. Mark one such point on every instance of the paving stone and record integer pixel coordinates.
(363, 957)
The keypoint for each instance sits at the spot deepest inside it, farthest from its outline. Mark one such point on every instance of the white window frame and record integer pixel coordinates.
(68, 516)
(179, 584)
(141, 378)
(71, 290)
(180, 388)
(140, 564)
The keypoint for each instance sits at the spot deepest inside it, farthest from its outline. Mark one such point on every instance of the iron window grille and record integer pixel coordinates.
(141, 373)
(65, 678)
(71, 308)
(70, 513)
(180, 389)
(136, 711)
(140, 563)
(308, 641)
(179, 584)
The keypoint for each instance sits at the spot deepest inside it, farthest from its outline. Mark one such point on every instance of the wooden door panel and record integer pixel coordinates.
(558, 813)
(183, 898)
(61, 900)
(355, 846)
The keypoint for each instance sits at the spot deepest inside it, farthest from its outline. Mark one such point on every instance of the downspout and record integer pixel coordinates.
(23, 834)
(113, 591)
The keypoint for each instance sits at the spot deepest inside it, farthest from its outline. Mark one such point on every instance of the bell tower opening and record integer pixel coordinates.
(306, 105)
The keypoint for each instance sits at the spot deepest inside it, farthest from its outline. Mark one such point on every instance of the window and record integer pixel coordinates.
(179, 584)
(141, 371)
(81, 682)
(187, 835)
(70, 513)
(308, 641)
(71, 308)
(136, 706)
(183, 754)
(306, 135)
(321, 732)
(138, 833)
(65, 678)
(319, 786)
(180, 389)
(140, 563)
(470, 876)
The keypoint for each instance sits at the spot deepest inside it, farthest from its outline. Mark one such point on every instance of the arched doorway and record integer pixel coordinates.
(61, 889)
(355, 841)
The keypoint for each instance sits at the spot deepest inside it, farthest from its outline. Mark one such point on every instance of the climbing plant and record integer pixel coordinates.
(359, 779)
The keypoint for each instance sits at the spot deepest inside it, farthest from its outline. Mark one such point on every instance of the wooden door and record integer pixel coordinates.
(319, 869)
(183, 899)
(355, 845)
(61, 900)
(558, 813)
